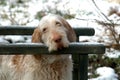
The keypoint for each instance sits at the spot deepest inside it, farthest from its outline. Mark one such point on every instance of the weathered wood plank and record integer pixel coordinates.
(21, 30)
(36, 48)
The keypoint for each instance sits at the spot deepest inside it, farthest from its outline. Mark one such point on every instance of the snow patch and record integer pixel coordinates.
(106, 73)
(14, 39)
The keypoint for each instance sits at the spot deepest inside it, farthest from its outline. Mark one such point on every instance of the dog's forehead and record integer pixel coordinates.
(47, 20)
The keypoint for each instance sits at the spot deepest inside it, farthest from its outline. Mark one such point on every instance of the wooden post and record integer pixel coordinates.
(83, 67)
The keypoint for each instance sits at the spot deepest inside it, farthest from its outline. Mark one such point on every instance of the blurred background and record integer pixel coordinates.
(102, 15)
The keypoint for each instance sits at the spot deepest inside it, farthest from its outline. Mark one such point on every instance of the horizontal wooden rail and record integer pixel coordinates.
(23, 30)
(37, 48)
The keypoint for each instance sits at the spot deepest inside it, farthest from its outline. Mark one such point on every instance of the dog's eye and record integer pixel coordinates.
(58, 23)
(44, 29)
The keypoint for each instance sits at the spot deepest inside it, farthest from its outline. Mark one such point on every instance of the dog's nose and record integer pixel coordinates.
(57, 38)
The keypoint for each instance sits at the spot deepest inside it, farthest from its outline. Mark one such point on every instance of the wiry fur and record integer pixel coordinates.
(55, 33)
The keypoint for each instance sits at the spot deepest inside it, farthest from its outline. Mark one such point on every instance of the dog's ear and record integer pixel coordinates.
(70, 32)
(36, 36)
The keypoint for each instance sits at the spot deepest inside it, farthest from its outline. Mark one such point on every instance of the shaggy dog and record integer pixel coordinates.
(55, 33)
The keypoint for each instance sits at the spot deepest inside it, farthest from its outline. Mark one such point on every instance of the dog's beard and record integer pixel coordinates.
(53, 46)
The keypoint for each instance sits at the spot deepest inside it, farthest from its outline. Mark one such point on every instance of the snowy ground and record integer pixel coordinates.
(106, 73)
(74, 6)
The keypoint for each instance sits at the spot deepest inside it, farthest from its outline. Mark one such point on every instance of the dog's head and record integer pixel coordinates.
(54, 31)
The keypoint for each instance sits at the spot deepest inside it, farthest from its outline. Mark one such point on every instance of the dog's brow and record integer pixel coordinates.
(58, 22)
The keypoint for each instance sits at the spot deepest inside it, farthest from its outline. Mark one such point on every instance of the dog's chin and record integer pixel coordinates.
(57, 47)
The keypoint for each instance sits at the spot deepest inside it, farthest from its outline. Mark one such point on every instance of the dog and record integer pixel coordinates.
(56, 33)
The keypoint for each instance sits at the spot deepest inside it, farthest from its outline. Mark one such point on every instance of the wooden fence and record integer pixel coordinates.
(79, 50)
